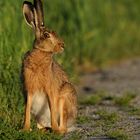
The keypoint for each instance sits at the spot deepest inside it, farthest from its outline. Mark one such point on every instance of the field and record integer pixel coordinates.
(97, 33)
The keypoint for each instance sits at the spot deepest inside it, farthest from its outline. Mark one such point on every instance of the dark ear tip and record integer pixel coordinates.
(27, 2)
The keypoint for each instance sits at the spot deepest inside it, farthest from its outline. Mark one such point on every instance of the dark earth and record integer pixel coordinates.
(113, 81)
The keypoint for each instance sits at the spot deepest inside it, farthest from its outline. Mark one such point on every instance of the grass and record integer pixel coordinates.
(134, 111)
(99, 97)
(95, 33)
(107, 120)
(83, 119)
(35, 135)
(107, 125)
(91, 100)
(118, 135)
(95, 99)
(124, 100)
(75, 136)
(108, 117)
(112, 123)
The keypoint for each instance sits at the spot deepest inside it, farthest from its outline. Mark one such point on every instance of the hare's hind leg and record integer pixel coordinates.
(67, 108)
(27, 112)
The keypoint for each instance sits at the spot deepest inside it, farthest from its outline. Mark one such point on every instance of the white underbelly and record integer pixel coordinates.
(40, 109)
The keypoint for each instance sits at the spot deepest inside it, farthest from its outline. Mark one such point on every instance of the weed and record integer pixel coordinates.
(118, 135)
(95, 99)
(75, 136)
(108, 117)
(83, 119)
(132, 110)
(91, 100)
(124, 100)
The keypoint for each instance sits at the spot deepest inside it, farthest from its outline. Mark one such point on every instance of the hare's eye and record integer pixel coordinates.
(46, 35)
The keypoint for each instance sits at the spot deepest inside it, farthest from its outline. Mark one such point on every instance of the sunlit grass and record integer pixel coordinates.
(119, 135)
(124, 100)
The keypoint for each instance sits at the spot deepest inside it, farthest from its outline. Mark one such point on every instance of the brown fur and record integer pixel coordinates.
(42, 73)
(44, 78)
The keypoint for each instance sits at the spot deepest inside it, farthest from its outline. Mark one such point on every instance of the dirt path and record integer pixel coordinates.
(117, 79)
(115, 113)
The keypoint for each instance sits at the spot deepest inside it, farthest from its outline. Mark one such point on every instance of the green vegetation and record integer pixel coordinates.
(95, 32)
(95, 99)
(91, 100)
(75, 136)
(133, 111)
(108, 125)
(83, 119)
(108, 117)
(124, 100)
(99, 97)
(119, 135)
(12, 134)
(108, 121)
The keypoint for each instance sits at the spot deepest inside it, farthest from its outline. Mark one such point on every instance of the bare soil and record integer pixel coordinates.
(114, 80)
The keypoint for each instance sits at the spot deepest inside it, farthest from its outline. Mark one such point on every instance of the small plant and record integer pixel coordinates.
(83, 119)
(91, 100)
(108, 117)
(96, 98)
(133, 111)
(124, 100)
(75, 136)
(118, 135)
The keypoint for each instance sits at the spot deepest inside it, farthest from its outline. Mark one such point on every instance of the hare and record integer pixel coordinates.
(51, 98)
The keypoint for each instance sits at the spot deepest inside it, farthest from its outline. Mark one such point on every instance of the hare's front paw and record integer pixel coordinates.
(26, 128)
(39, 126)
(62, 130)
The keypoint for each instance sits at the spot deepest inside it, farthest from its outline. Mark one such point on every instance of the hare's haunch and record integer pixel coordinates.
(51, 98)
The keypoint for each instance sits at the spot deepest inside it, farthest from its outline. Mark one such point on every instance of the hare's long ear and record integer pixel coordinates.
(28, 12)
(39, 11)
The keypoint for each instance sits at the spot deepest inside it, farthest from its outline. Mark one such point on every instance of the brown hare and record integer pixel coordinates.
(51, 98)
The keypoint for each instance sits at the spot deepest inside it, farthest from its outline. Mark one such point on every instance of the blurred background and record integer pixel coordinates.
(97, 33)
